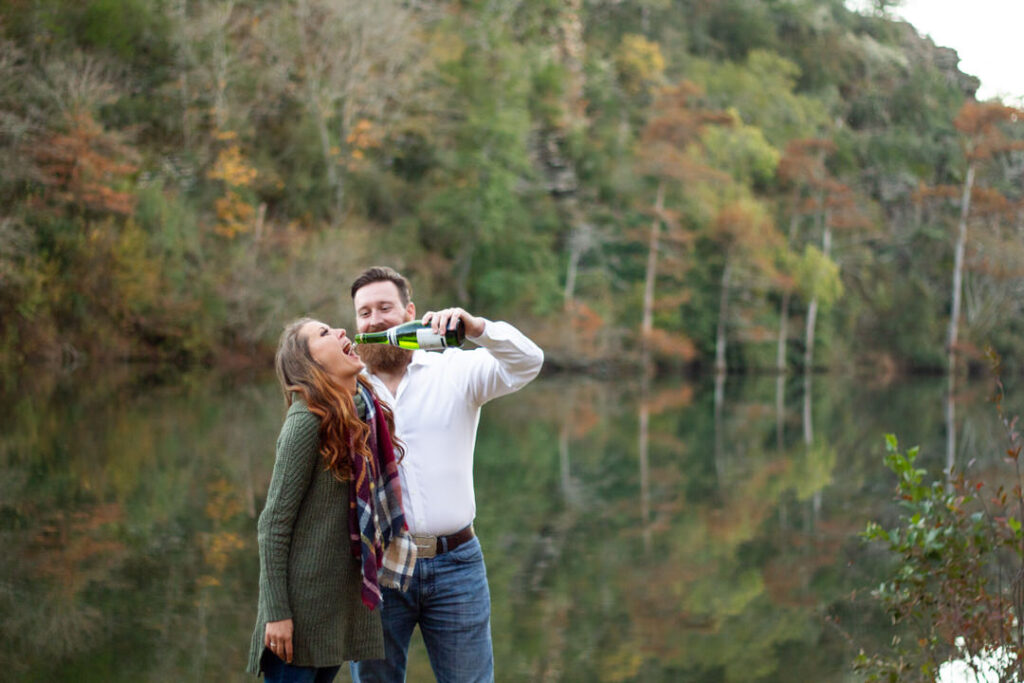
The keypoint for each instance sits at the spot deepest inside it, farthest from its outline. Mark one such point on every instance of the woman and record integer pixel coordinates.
(332, 531)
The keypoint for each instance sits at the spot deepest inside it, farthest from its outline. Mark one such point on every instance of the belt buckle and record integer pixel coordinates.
(426, 546)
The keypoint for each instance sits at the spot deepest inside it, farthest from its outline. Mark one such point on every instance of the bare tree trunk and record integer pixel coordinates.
(325, 148)
(807, 416)
(647, 322)
(719, 422)
(186, 59)
(221, 62)
(812, 310)
(462, 267)
(780, 353)
(958, 268)
(580, 241)
(723, 312)
(313, 80)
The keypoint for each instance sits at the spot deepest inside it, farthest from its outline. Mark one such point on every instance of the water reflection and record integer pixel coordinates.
(634, 532)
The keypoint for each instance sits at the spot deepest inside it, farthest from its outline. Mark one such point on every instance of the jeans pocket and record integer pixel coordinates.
(467, 553)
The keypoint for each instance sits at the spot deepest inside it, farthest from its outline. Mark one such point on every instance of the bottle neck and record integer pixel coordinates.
(371, 338)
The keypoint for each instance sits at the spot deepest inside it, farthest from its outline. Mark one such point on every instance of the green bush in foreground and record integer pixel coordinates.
(956, 588)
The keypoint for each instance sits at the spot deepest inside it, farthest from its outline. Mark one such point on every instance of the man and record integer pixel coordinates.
(436, 398)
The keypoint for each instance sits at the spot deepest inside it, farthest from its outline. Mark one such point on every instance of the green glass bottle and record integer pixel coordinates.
(415, 335)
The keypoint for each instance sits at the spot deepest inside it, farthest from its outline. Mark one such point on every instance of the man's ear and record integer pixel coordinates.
(410, 310)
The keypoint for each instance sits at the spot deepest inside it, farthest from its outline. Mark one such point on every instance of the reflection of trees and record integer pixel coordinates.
(137, 496)
(123, 521)
(713, 589)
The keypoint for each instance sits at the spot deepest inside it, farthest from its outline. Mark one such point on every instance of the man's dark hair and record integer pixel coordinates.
(384, 274)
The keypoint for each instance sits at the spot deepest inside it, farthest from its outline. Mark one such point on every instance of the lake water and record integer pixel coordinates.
(678, 532)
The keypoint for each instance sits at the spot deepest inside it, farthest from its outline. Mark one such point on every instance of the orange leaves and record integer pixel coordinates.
(673, 129)
(235, 213)
(671, 345)
(980, 123)
(803, 162)
(85, 167)
(744, 223)
(232, 168)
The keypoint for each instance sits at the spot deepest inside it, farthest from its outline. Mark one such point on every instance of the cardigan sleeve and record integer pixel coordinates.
(294, 467)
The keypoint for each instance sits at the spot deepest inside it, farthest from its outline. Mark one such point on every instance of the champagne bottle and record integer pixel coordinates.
(415, 335)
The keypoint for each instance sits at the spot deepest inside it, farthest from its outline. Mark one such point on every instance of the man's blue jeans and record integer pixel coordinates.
(276, 670)
(449, 599)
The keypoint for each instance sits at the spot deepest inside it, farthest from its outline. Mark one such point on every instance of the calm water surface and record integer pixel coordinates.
(678, 532)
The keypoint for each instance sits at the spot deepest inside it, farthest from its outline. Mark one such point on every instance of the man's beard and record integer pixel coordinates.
(383, 357)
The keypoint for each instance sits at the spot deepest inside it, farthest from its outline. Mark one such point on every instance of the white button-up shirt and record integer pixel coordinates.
(437, 410)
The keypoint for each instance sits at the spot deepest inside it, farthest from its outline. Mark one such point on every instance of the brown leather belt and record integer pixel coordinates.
(431, 546)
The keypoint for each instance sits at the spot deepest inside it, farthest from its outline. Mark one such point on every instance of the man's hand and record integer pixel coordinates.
(445, 319)
(278, 638)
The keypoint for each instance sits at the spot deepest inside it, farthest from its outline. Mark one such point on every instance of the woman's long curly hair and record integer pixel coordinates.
(343, 435)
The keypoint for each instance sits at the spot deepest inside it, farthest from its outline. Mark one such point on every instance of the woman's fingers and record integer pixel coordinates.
(278, 638)
(287, 650)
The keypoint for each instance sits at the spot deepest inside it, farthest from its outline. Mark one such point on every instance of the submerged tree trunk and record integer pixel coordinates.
(643, 448)
(958, 269)
(950, 428)
(780, 411)
(780, 349)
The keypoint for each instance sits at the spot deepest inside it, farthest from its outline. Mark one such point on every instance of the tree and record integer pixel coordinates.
(352, 61)
(668, 159)
(982, 137)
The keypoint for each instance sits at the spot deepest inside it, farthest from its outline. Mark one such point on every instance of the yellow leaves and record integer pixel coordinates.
(223, 503)
(446, 47)
(232, 168)
(640, 63)
(217, 550)
(363, 137)
(234, 212)
(234, 215)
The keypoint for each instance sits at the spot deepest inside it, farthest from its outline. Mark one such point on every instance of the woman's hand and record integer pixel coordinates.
(278, 638)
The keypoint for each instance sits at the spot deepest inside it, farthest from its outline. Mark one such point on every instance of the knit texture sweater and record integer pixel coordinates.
(307, 570)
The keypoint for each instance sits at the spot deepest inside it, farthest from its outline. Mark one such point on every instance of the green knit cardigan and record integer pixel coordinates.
(307, 570)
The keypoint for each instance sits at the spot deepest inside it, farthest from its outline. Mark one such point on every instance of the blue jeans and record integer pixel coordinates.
(448, 598)
(276, 670)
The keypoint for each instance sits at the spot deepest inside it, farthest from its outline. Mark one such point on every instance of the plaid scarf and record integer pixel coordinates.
(377, 529)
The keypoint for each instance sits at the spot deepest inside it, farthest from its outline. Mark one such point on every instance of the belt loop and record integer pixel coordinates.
(444, 543)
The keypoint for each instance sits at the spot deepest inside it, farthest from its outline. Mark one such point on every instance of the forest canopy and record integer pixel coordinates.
(742, 184)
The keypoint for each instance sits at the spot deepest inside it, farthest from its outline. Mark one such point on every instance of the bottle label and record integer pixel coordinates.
(428, 341)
